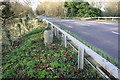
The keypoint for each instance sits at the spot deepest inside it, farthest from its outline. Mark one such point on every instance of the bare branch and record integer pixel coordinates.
(28, 2)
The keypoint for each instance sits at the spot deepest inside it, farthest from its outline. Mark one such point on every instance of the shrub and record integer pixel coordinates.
(81, 9)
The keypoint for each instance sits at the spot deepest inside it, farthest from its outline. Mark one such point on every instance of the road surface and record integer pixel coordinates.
(101, 35)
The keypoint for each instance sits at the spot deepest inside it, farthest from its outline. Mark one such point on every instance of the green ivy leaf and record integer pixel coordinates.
(42, 74)
(55, 64)
(57, 55)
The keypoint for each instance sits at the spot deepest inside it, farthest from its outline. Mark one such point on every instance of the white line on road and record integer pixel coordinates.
(103, 22)
(115, 32)
(67, 20)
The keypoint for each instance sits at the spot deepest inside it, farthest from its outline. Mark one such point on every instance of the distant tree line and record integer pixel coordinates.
(68, 9)
(77, 9)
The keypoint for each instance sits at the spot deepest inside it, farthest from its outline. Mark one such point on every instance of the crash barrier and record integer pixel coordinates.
(83, 49)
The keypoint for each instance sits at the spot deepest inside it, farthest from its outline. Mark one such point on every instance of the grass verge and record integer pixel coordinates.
(32, 59)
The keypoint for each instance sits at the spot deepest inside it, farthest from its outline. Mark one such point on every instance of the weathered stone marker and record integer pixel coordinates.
(48, 37)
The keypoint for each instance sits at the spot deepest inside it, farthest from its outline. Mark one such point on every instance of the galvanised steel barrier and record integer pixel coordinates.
(83, 49)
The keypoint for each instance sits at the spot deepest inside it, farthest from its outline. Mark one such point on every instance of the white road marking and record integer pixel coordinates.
(115, 32)
(106, 23)
(70, 26)
(67, 20)
(102, 22)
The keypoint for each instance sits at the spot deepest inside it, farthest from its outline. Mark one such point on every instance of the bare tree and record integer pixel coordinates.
(21, 10)
(28, 2)
(51, 8)
(112, 9)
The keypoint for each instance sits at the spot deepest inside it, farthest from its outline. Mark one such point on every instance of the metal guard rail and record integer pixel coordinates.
(103, 62)
(106, 17)
(102, 18)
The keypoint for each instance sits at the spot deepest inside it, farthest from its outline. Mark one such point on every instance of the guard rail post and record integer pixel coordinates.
(106, 19)
(55, 31)
(112, 19)
(62, 39)
(80, 58)
(98, 18)
(52, 28)
(57, 34)
(65, 41)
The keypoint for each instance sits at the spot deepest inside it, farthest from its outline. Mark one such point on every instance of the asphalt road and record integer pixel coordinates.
(101, 35)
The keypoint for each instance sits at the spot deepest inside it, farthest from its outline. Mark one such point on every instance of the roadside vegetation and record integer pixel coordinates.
(24, 54)
(13, 24)
(32, 59)
(21, 10)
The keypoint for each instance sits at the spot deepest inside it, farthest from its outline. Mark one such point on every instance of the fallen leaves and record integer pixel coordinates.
(40, 57)
(68, 56)
(43, 62)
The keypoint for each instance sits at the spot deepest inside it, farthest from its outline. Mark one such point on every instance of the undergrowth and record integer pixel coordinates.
(32, 59)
